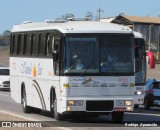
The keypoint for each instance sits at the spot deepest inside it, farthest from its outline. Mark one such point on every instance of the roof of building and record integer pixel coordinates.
(140, 19)
(72, 27)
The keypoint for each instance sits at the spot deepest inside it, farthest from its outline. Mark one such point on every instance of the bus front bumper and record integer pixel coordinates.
(98, 105)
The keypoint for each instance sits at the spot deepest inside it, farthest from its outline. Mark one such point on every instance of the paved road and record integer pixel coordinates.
(8, 105)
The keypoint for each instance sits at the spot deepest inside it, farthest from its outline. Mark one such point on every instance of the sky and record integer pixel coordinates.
(16, 11)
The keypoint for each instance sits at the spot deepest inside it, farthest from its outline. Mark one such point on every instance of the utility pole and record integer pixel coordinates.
(99, 13)
(149, 38)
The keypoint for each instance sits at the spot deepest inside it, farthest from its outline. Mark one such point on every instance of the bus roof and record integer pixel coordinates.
(72, 27)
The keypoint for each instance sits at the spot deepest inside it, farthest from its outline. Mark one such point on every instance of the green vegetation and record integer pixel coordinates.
(5, 38)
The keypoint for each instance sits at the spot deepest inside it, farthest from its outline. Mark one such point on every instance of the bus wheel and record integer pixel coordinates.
(26, 109)
(57, 115)
(117, 117)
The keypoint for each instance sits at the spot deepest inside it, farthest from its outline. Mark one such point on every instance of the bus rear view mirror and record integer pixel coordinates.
(55, 50)
(55, 55)
(56, 43)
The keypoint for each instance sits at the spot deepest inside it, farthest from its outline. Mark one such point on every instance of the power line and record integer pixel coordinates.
(153, 11)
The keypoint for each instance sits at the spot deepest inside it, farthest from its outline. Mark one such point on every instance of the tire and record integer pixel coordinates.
(57, 115)
(26, 108)
(53, 107)
(146, 105)
(52, 103)
(117, 117)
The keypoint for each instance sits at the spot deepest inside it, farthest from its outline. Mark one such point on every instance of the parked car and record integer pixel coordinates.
(4, 78)
(152, 94)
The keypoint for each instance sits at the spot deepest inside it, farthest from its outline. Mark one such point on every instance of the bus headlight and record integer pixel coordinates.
(137, 93)
(120, 103)
(128, 103)
(74, 103)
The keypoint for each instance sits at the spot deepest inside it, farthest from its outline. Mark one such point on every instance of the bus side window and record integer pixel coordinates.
(46, 44)
(42, 45)
(39, 43)
(25, 44)
(22, 44)
(15, 45)
(28, 48)
(19, 44)
(12, 44)
(31, 42)
(35, 44)
(49, 44)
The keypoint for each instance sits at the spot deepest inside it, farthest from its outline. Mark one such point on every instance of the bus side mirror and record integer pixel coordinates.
(136, 66)
(143, 55)
(55, 55)
(55, 50)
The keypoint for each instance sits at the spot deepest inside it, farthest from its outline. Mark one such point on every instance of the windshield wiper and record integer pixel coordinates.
(87, 67)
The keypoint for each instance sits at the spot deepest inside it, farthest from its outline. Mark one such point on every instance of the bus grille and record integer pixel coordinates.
(99, 105)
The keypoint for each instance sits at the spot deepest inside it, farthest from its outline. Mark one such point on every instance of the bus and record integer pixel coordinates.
(65, 67)
(140, 71)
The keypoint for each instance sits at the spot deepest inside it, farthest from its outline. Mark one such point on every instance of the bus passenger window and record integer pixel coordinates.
(22, 44)
(42, 45)
(28, 48)
(15, 45)
(35, 44)
(19, 44)
(31, 41)
(47, 43)
(25, 44)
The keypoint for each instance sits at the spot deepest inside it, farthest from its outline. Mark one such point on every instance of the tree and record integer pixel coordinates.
(68, 16)
(5, 38)
(6, 33)
(89, 16)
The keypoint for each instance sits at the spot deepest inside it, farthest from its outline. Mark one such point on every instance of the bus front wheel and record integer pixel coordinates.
(117, 117)
(57, 115)
(26, 109)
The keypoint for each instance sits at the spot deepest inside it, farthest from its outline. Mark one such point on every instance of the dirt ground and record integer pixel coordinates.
(154, 72)
(4, 56)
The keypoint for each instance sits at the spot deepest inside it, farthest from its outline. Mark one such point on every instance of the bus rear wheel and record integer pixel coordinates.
(26, 108)
(117, 117)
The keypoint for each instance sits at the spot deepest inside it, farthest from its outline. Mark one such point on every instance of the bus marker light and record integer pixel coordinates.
(128, 103)
(70, 103)
(66, 85)
(132, 85)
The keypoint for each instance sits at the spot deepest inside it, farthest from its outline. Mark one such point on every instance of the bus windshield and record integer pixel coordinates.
(98, 54)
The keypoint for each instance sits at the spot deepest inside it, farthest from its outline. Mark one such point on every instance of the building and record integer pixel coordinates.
(148, 26)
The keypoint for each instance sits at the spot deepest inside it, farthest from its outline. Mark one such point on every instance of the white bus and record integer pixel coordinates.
(66, 67)
(140, 69)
